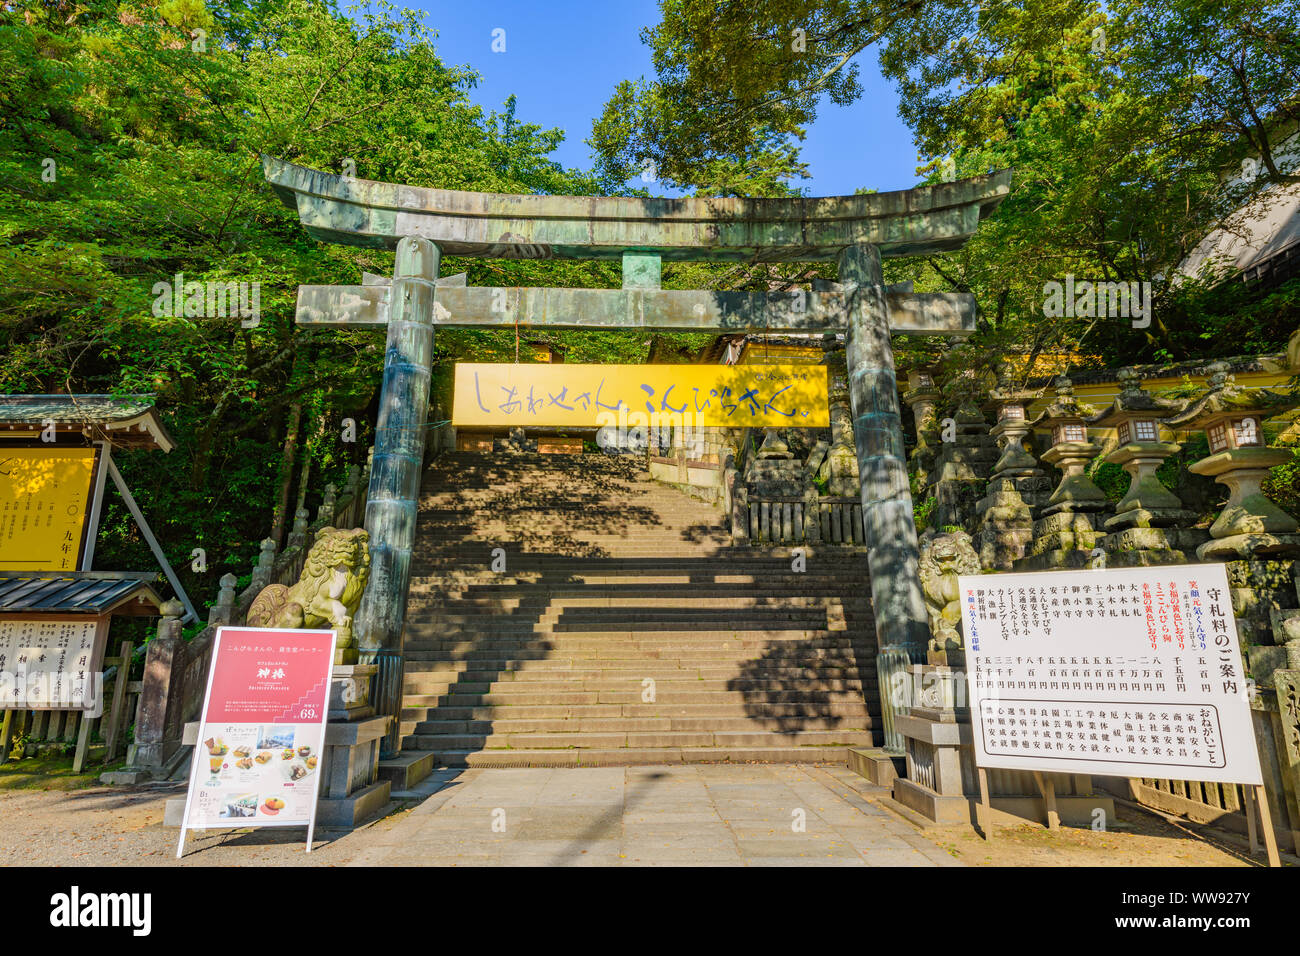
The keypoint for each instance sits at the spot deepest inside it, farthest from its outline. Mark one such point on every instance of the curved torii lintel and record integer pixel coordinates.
(364, 212)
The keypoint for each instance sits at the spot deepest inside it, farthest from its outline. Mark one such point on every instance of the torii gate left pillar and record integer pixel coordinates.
(893, 553)
(393, 500)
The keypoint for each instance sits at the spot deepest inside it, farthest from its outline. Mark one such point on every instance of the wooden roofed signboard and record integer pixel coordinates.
(56, 453)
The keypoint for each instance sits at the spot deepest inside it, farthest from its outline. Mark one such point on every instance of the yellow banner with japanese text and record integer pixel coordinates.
(587, 396)
(45, 499)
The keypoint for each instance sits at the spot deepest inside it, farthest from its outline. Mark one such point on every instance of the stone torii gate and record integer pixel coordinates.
(425, 224)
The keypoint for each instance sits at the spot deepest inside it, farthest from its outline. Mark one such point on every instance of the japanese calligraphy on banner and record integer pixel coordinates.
(45, 497)
(1131, 672)
(262, 733)
(52, 664)
(598, 395)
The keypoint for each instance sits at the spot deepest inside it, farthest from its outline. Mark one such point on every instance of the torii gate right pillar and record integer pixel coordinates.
(902, 627)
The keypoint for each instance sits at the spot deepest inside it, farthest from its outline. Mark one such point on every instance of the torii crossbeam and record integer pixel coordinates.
(856, 231)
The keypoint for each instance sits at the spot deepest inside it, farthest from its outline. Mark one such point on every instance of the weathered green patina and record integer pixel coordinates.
(362, 212)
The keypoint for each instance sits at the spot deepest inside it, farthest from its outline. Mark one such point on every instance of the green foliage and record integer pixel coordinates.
(1111, 479)
(154, 141)
(1122, 122)
(1283, 482)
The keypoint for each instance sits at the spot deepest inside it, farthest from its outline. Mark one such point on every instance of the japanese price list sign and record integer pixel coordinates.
(51, 664)
(262, 732)
(1132, 672)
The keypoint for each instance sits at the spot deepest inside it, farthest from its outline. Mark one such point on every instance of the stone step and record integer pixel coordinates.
(624, 613)
(557, 725)
(425, 631)
(407, 769)
(848, 707)
(423, 683)
(637, 740)
(479, 599)
(488, 652)
(628, 757)
(656, 668)
(442, 680)
(503, 697)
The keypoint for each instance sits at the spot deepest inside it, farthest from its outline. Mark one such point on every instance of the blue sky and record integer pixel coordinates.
(563, 59)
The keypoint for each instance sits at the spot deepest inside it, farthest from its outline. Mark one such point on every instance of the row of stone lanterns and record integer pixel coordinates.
(1149, 517)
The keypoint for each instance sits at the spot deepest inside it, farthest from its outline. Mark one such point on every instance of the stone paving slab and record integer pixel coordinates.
(688, 815)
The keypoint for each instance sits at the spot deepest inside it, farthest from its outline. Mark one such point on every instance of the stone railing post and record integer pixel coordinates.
(739, 510)
(162, 692)
(265, 566)
(325, 513)
(223, 611)
(298, 536)
(812, 518)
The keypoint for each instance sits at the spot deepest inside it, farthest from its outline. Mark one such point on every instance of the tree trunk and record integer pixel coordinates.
(285, 476)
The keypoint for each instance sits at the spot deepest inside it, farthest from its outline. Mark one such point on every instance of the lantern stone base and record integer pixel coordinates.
(1062, 541)
(1005, 525)
(1145, 518)
(1065, 530)
(1238, 546)
(1145, 547)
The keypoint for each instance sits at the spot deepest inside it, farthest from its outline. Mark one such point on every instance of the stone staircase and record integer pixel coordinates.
(621, 627)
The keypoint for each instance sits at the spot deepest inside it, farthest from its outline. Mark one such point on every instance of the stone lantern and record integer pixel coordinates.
(922, 397)
(1232, 419)
(839, 469)
(1004, 527)
(1137, 415)
(1010, 431)
(1066, 419)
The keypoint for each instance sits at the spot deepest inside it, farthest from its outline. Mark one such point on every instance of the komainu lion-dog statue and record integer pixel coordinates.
(943, 558)
(328, 590)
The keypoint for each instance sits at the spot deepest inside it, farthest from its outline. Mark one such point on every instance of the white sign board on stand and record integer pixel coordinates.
(1130, 672)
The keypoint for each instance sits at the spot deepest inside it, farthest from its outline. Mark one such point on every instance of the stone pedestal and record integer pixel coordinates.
(1264, 600)
(1004, 526)
(350, 691)
(1070, 525)
(351, 789)
(1147, 547)
(1076, 493)
(942, 783)
(965, 459)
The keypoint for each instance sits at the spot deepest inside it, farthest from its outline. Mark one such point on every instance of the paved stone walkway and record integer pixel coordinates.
(702, 815)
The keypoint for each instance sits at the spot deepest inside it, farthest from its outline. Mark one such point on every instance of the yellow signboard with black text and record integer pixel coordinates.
(45, 502)
(585, 396)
